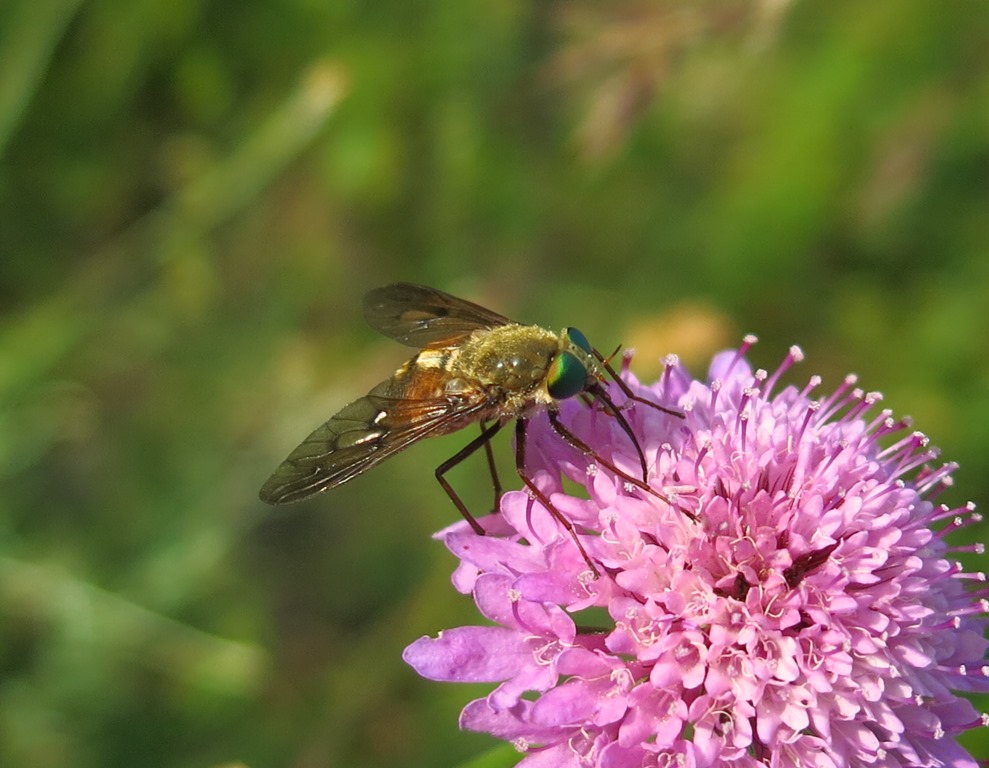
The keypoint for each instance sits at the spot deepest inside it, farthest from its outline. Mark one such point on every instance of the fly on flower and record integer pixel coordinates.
(474, 366)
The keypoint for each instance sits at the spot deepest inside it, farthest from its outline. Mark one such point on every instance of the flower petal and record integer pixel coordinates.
(469, 655)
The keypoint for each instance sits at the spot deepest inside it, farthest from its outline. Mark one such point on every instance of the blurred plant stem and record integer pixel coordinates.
(33, 29)
(231, 184)
(113, 277)
(90, 617)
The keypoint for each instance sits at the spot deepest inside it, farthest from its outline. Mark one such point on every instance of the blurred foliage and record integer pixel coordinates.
(193, 198)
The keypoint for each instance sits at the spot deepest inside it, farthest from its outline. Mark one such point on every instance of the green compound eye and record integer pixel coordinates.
(567, 376)
(579, 340)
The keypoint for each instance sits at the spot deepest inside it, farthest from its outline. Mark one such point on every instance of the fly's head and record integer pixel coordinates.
(575, 368)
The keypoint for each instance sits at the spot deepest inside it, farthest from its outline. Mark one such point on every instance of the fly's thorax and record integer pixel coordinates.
(512, 358)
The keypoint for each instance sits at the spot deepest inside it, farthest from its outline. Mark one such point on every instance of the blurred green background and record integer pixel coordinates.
(195, 195)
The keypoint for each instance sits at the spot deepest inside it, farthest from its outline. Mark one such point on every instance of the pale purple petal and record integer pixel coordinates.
(557, 756)
(470, 655)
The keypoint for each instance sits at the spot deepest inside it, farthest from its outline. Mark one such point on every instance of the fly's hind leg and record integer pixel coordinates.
(495, 482)
(520, 436)
(487, 432)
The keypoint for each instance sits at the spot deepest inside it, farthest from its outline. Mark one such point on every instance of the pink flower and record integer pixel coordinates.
(787, 598)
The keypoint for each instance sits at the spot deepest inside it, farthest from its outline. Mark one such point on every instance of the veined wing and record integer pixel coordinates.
(368, 431)
(420, 317)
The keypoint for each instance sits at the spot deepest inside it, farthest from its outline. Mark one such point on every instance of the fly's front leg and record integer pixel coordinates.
(601, 394)
(626, 390)
(580, 445)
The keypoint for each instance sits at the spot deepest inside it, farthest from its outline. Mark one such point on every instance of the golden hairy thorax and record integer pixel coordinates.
(508, 363)
(513, 357)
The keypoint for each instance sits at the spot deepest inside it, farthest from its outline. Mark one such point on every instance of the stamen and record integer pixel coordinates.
(927, 479)
(757, 379)
(748, 342)
(885, 417)
(704, 449)
(812, 407)
(859, 409)
(715, 389)
(909, 464)
(841, 398)
(627, 356)
(812, 383)
(795, 355)
(671, 368)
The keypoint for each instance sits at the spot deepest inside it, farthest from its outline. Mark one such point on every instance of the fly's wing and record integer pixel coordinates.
(389, 419)
(420, 317)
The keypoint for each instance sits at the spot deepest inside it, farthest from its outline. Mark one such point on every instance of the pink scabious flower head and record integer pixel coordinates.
(784, 597)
